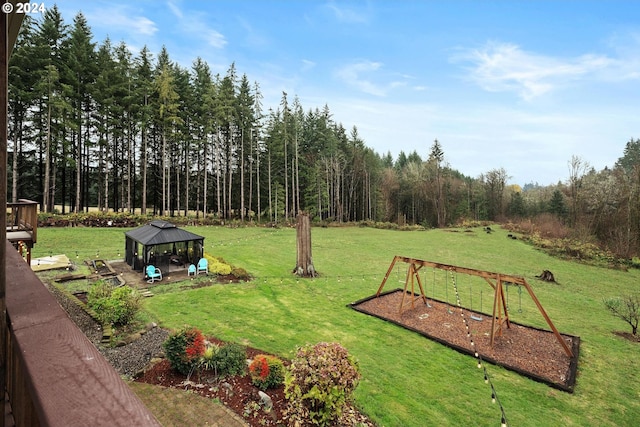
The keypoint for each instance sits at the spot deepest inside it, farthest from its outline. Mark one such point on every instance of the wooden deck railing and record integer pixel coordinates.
(55, 376)
(23, 216)
(22, 226)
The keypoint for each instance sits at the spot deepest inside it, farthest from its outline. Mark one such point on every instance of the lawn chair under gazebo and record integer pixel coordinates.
(162, 245)
(153, 274)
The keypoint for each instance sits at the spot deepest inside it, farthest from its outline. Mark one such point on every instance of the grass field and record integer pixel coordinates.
(407, 380)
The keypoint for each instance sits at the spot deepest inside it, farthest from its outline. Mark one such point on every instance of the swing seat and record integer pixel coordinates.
(478, 318)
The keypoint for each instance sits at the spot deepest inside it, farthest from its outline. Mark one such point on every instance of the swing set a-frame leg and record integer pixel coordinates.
(411, 273)
(386, 276)
(499, 307)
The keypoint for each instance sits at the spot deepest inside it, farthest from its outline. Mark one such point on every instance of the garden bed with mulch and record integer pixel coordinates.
(532, 352)
(238, 393)
(143, 360)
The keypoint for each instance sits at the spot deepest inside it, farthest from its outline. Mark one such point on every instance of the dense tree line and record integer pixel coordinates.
(92, 125)
(595, 206)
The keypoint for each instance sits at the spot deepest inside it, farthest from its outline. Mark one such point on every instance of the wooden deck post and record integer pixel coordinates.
(4, 84)
(9, 27)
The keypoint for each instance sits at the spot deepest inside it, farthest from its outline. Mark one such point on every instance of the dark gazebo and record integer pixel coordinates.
(163, 245)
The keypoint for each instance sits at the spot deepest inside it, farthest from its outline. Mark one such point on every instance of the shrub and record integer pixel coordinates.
(266, 371)
(240, 273)
(208, 359)
(626, 308)
(99, 290)
(116, 306)
(217, 265)
(319, 383)
(184, 350)
(220, 268)
(231, 359)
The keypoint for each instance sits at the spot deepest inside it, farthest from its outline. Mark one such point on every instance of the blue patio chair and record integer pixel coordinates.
(192, 270)
(203, 266)
(153, 274)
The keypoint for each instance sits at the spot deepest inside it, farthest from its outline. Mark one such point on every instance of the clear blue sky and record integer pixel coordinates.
(519, 85)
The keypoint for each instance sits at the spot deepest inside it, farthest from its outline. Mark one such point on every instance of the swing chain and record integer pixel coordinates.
(519, 299)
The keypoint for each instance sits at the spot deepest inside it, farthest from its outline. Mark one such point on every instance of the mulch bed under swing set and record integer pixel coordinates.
(542, 355)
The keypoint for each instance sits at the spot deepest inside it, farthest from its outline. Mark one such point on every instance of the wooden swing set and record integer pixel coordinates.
(500, 316)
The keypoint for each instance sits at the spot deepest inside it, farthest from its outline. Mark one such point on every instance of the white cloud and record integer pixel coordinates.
(175, 9)
(200, 30)
(144, 26)
(358, 74)
(214, 38)
(307, 65)
(348, 15)
(253, 37)
(499, 67)
(626, 44)
(194, 24)
(370, 77)
(122, 18)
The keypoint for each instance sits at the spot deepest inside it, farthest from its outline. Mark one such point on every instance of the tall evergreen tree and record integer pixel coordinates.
(227, 134)
(516, 205)
(286, 114)
(257, 150)
(124, 139)
(630, 159)
(82, 70)
(246, 122)
(53, 105)
(103, 94)
(23, 77)
(168, 118)
(557, 205)
(144, 91)
(202, 123)
(183, 141)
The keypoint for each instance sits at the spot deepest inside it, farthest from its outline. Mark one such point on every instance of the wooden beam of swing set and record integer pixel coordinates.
(495, 280)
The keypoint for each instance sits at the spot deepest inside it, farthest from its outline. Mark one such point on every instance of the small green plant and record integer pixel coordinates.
(251, 409)
(208, 359)
(319, 382)
(115, 306)
(184, 350)
(266, 371)
(231, 359)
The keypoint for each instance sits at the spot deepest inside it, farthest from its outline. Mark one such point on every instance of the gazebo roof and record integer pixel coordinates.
(158, 232)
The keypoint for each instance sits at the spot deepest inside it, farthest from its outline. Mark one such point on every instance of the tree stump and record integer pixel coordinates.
(547, 276)
(304, 260)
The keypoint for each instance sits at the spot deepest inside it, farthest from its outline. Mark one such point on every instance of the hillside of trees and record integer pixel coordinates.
(91, 125)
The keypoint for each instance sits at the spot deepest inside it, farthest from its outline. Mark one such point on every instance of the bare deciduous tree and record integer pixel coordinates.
(626, 308)
(577, 170)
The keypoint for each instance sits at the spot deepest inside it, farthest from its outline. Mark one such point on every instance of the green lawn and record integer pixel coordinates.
(407, 380)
